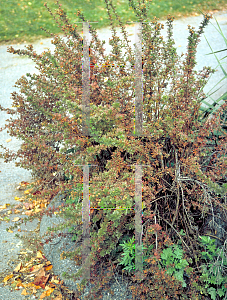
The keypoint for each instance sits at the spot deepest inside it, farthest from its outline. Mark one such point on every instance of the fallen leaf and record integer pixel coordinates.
(41, 280)
(24, 183)
(17, 198)
(28, 205)
(4, 206)
(34, 291)
(36, 193)
(48, 268)
(46, 293)
(10, 231)
(18, 206)
(16, 219)
(36, 268)
(18, 267)
(30, 285)
(27, 192)
(39, 254)
(55, 281)
(52, 285)
(19, 282)
(7, 278)
(28, 212)
(9, 140)
(21, 187)
(24, 292)
(49, 291)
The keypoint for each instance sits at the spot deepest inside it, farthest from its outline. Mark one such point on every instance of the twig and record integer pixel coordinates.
(177, 233)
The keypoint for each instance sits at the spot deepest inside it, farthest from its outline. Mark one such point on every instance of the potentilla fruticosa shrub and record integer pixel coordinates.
(181, 173)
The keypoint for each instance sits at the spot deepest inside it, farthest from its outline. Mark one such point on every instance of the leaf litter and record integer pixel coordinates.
(33, 274)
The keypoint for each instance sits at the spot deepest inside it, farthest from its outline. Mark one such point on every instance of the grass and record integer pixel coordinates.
(20, 20)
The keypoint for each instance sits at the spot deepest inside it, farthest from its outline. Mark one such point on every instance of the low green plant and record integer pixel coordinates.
(129, 249)
(214, 268)
(174, 263)
(171, 259)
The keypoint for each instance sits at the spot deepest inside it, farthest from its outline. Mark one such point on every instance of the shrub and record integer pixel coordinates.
(178, 180)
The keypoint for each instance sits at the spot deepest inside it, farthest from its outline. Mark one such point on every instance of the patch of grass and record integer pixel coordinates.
(21, 20)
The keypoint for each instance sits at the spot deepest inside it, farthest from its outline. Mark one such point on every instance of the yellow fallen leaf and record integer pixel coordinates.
(7, 278)
(39, 254)
(46, 293)
(9, 212)
(10, 231)
(8, 140)
(30, 284)
(27, 192)
(24, 292)
(55, 281)
(3, 206)
(34, 291)
(16, 219)
(18, 267)
(17, 198)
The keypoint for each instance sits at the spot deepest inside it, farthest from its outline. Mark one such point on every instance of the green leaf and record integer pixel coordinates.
(74, 237)
(221, 292)
(212, 292)
(182, 232)
(167, 253)
(170, 271)
(178, 253)
(179, 276)
(182, 264)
